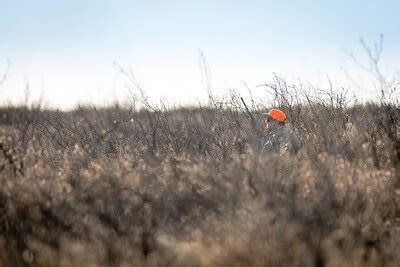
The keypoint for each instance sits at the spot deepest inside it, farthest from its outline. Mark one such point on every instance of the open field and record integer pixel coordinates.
(199, 133)
(189, 187)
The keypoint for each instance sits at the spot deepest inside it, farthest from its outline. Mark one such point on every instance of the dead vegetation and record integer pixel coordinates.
(158, 186)
(119, 186)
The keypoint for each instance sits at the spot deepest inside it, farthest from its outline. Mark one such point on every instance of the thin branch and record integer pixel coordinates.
(5, 75)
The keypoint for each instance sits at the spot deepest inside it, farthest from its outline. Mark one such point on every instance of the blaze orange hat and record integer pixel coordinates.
(277, 115)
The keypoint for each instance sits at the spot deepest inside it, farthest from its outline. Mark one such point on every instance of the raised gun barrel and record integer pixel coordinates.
(254, 124)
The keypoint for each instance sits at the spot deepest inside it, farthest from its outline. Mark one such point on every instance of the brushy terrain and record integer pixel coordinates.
(119, 186)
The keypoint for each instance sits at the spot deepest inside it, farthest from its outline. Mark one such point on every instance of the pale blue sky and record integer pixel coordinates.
(65, 49)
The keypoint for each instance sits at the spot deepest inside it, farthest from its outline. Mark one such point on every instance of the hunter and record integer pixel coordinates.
(279, 137)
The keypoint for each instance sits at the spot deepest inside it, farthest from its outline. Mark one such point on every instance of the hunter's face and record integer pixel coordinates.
(270, 124)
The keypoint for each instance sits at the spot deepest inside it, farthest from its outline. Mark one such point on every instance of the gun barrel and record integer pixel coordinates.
(253, 121)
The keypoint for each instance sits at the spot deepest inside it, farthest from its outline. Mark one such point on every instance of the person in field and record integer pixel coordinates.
(279, 137)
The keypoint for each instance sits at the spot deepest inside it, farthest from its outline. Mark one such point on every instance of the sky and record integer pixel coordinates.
(67, 51)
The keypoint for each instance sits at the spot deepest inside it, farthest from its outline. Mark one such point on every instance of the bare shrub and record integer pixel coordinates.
(187, 186)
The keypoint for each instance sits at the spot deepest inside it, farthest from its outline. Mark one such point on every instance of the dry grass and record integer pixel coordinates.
(189, 187)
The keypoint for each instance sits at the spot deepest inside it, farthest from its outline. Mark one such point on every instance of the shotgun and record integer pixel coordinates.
(260, 133)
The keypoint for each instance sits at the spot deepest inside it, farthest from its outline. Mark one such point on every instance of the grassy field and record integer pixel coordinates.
(119, 186)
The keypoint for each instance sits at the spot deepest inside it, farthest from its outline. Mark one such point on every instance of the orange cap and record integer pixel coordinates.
(277, 114)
